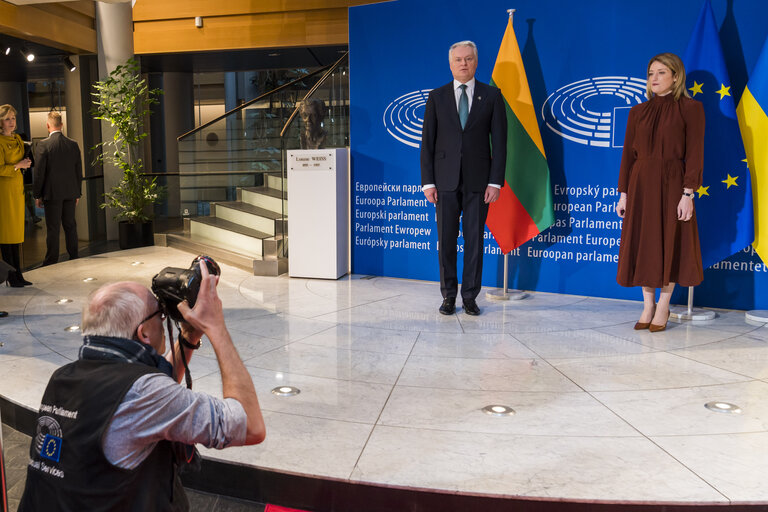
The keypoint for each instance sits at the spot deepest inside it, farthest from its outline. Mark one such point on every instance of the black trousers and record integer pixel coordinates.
(59, 213)
(12, 256)
(472, 209)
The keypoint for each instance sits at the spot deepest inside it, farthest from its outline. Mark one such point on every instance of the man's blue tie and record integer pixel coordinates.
(463, 106)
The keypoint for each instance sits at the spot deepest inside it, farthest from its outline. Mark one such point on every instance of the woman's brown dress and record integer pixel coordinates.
(663, 153)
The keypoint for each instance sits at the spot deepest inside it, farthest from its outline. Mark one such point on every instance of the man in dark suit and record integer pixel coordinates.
(58, 176)
(463, 157)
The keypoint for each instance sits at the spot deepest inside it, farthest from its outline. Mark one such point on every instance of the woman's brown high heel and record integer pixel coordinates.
(639, 326)
(658, 328)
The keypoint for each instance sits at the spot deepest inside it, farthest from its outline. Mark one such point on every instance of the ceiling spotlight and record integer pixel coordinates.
(28, 55)
(67, 62)
(7, 50)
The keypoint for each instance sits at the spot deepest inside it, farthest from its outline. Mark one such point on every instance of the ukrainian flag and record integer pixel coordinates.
(753, 122)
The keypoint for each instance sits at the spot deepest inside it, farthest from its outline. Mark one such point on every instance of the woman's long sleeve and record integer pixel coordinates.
(693, 115)
(628, 156)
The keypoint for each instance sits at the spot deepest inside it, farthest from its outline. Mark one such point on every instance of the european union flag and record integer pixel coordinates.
(51, 449)
(724, 201)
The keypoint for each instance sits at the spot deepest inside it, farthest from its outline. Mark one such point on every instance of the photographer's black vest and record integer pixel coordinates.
(68, 470)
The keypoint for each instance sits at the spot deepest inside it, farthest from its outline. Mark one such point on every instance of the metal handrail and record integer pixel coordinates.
(311, 91)
(256, 99)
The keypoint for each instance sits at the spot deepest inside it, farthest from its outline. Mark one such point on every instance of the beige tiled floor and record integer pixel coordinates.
(392, 391)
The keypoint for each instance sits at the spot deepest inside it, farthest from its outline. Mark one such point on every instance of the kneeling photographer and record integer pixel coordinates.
(115, 426)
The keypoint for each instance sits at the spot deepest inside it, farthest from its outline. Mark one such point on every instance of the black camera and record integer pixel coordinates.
(174, 285)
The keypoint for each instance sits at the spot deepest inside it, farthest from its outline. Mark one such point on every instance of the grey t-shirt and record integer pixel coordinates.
(157, 408)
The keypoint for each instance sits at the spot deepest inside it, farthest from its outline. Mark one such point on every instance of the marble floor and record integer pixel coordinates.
(392, 391)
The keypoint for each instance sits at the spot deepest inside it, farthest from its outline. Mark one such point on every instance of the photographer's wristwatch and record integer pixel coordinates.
(186, 344)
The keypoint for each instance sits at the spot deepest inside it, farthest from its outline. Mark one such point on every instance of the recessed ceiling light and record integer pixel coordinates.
(63, 301)
(89, 279)
(137, 263)
(73, 328)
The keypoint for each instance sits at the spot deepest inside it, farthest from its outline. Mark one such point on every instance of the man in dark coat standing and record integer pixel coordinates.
(58, 176)
(463, 157)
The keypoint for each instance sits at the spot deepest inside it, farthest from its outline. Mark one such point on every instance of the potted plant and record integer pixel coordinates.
(124, 99)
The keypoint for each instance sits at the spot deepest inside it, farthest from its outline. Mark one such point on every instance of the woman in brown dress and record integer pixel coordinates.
(660, 169)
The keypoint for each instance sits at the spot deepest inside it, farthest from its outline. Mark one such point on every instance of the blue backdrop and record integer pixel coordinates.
(586, 64)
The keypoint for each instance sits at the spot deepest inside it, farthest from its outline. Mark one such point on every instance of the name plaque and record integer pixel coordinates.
(315, 160)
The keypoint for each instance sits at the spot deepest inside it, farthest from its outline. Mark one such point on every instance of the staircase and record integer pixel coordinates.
(232, 188)
(249, 232)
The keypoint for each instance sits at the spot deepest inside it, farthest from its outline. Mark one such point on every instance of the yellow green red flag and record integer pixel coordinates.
(524, 208)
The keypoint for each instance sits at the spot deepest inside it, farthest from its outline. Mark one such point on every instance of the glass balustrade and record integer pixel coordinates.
(240, 156)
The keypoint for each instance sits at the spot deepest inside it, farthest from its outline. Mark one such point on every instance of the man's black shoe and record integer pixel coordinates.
(470, 307)
(448, 307)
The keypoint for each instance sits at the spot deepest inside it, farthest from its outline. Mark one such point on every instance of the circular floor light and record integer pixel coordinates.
(286, 391)
(723, 407)
(498, 410)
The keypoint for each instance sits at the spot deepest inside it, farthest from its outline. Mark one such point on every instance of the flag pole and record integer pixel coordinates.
(505, 294)
(690, 313)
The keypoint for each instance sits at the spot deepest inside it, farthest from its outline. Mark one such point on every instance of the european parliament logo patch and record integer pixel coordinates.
(51, 449)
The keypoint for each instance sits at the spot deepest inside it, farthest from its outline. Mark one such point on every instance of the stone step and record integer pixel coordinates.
(235, 142)
(264, 197)
(229, 235)
(243, 155)
(222, 179)
(271, 165)
(276, 181)
(249, 216)
(259, 265)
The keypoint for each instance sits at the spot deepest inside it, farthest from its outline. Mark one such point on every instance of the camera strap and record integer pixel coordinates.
(169, 325)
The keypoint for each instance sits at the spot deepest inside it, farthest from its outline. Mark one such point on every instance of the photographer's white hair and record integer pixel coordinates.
(114, 310)
(462, 43)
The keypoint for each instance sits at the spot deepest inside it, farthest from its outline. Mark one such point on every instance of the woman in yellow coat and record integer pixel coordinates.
(12, 162)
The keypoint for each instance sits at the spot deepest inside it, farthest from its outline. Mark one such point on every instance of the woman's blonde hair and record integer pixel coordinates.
(5, 111)
(675, 65)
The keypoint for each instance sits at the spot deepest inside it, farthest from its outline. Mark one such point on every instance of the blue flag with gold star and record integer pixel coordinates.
(724, 201)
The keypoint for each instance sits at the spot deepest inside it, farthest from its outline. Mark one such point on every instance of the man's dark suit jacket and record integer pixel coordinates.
(446, 150)
(58, 173)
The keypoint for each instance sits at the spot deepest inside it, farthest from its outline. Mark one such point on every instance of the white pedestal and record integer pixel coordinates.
(318, 222)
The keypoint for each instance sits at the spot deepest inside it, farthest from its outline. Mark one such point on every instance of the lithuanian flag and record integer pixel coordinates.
(524, 208)
(753, 122)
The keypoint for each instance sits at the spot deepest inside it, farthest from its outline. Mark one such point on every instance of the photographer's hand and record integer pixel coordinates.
(208, 316)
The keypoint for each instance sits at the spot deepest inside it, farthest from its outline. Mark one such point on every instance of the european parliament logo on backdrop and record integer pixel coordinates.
(404, 117)
(593, 111)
